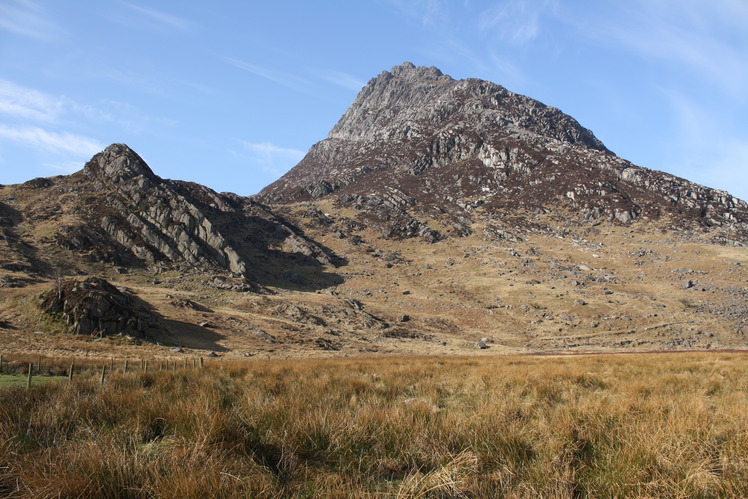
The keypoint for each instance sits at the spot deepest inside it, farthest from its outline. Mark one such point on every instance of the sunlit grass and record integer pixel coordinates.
(598, 426)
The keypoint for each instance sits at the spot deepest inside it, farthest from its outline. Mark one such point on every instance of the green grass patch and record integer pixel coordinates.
(22, 379)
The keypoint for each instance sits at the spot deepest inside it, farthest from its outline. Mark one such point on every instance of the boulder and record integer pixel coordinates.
(96, 307)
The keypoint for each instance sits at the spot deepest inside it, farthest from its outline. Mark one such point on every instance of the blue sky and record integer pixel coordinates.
(231, 94)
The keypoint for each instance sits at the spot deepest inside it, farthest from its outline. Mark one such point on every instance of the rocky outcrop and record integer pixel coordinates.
(389, 213)
(152, 219)
(16, 255)
(137, 215)
(449, 146)
(95, 307)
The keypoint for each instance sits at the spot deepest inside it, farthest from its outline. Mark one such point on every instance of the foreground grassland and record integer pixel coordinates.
(592, 426)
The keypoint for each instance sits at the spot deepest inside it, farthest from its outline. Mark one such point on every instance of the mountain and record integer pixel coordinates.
(423, 144)
(438, 217)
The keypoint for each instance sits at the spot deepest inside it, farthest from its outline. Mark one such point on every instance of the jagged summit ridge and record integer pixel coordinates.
(409, 70)
(412, 118)
(394, 101)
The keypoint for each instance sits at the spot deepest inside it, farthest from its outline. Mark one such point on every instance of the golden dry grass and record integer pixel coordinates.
(595, 426)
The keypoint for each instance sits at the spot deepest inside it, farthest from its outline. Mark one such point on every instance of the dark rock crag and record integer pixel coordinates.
(132, 214)
(95, 307)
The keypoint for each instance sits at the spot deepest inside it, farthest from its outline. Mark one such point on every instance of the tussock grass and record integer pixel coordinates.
(593, 426)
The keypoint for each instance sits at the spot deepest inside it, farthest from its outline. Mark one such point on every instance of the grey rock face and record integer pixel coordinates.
(450, 146)
(161, 221)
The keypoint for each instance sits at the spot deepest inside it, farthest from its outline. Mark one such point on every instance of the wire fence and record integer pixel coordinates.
(42, 369)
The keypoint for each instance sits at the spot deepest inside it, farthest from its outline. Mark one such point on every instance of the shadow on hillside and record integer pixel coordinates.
(264, 246)
(174, 333)
(188, 335)
(23, 256)
(296, 272)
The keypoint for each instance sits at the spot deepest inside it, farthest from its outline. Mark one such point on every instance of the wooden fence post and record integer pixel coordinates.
(145, 366)
(125, 371)
(103, 372)
(72, 368)
(28, 384)
(1, 363)
(201, 362)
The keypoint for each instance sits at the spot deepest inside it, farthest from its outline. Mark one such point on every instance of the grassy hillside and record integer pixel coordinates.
(670, 425)
(614, 289)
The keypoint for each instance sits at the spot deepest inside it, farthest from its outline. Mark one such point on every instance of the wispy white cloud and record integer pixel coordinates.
(163, 19)
(126, 116)
(342, 79)
(469, 32)
(694, 35)
(27, 103)
(489, 63)
(731, 157)
(692, 121)
(65, 167)
(56, 142)
(140, 81)
(705, 148)
(280, 77)
(270, 158)
(27, 18)
(269, 152)
(516, 22)
(424, 12)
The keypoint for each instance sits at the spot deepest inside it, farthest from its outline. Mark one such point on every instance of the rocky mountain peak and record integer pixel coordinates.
(410, 71)
(118, 163)
(408, 99)
(412, 119)
(417, 145)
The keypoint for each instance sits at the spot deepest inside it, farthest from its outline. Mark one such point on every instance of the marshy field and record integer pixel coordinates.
(636, 425)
